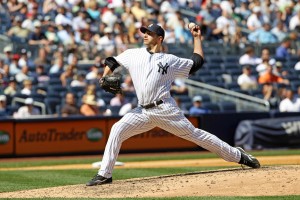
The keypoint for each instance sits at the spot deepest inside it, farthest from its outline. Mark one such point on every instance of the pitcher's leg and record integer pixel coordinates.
(183, 128)
(131, 124)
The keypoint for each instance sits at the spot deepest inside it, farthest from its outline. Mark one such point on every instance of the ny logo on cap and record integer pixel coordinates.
(150, 25)
(162, 67)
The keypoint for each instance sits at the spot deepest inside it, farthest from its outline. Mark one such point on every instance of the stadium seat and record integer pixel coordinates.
(212, 107)
(114, 109)
(227, 106)
(51, 103)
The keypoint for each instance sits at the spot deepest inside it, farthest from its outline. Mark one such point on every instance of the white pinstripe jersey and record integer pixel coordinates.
(153, 74)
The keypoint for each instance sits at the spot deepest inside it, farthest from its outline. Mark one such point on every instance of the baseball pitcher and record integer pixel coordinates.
(152, 73)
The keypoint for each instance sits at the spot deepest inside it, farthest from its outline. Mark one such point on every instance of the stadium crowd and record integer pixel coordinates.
(54, 41)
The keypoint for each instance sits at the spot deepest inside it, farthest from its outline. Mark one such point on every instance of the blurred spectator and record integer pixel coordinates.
(4, 111)
(11, 89)
(38, 36)
(182, 34)
(127, 85)
(137, 10)
(8, 54)
(118, 100)
(128, 107)
(80, 22)
(27, 110)
(14, 67)
(249, 58)
(58, 66)
(290, 103)
(255, 20)
(17, 30)
(61, 18)
(69, 108)
(109, 17)
(89, 106)
(67, 75)
(179, 87)
(283, 50)
(263, 35)
(27, 87)
(92, 9)
(24, 74)
(106, 44)
(25, 60)
(297, 66)
(280, 31)
(226, 25)
(295, 21)
(265, 60)
(40, 75)
(270, 77)
(78, 80)
(197, 108)
(247, 81)
(51, 34)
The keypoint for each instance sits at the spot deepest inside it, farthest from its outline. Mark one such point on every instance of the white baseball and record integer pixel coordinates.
(191, 25)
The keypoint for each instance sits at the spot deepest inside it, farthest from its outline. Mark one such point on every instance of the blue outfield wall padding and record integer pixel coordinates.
(223, 125)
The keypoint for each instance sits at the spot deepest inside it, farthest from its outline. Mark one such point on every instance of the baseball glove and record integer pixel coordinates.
(111, 84)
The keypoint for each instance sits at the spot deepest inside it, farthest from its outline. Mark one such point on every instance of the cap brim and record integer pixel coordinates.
(144, 29)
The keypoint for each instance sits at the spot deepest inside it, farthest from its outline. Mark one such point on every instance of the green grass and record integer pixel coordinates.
(23, 180)
(124, 158)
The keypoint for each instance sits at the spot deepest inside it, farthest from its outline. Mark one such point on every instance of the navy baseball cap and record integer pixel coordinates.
(154, 28)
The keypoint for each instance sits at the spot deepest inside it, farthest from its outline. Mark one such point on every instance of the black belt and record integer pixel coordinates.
(151, 105)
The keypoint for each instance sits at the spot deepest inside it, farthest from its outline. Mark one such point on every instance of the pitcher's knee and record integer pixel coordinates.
(118, 130)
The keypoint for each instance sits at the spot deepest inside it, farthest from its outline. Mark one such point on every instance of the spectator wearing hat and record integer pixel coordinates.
(17, 31)
(4, 111)
(11, 89)
(14, 67)
(27, 110)
(38, 36)
(28, 23)
(197, 108)
(27, 87)
(89, 106)
(8, 54)
(246, 80)
(69, 107)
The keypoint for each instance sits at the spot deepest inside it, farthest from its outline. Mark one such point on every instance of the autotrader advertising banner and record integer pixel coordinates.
(156, 139)
(56, 136)
(269, 133)
(6, 138)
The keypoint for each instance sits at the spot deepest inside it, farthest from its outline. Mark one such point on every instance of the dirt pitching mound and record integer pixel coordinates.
(266, 181)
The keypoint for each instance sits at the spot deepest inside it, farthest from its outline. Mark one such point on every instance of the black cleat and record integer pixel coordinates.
(247, 159)
(99, 180)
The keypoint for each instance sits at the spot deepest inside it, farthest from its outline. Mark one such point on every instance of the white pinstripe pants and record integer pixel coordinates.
(168, 117)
